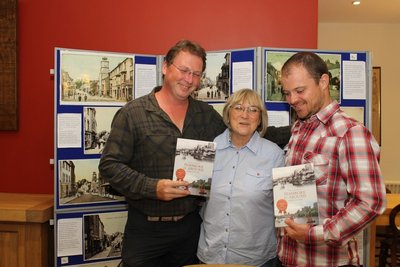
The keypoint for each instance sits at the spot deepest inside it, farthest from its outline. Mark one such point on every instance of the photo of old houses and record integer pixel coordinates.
(80, 182)
(214, 85)
(90, 77)
(97, 124)
(103, 234)
(274, 62)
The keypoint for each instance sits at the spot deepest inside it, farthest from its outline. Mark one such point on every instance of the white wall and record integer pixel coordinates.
(383, 40)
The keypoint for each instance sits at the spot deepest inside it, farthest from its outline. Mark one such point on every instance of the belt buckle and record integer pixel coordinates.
(166, 218)
(153, 218)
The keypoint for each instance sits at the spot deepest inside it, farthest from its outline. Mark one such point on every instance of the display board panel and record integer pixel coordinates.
(91, 86)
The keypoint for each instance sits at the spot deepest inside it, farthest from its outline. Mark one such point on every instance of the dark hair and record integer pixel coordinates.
(187, 46)
(314, 64)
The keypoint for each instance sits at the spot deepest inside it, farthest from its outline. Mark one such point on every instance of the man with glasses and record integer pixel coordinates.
(163, 221)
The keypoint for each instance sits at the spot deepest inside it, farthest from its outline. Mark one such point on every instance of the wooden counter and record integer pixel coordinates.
(24, 229)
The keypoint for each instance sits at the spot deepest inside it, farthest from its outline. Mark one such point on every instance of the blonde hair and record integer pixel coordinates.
(254, 99)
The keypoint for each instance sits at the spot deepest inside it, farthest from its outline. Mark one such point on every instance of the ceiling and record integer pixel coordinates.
(369, 11)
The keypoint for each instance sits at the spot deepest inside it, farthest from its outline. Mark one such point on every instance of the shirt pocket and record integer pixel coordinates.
(321, 166)
(258, 180)
(217, 180)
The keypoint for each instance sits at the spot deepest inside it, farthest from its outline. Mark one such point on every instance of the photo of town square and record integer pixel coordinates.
(103, 234)
(214, 84)
(274, 62)
(97, 124)
(90, 77)
(80, 182)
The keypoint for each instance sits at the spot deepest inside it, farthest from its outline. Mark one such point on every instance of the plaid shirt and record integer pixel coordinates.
(141, 149)
(350, 187)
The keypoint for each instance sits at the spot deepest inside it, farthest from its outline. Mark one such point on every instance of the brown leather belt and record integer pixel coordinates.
(164, 218)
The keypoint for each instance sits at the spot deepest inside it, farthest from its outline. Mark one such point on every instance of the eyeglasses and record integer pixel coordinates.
(186, 71)
(251, 110)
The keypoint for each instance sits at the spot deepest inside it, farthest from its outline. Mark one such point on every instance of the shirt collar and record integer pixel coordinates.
(252, 145)
(152, 105)
(325, 114)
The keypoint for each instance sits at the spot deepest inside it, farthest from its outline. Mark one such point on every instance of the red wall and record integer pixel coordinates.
(148, 27)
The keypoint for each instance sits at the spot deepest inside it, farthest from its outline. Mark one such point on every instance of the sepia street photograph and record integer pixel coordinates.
(103, 234)
(80, 182)
(215, 82)
(90, 78)
(97, 127)
(107, 263)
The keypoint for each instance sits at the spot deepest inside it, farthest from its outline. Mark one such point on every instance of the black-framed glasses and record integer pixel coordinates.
(251, 110)
(186, 71)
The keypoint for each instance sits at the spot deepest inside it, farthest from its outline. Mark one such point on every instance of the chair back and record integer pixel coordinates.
(395, 227)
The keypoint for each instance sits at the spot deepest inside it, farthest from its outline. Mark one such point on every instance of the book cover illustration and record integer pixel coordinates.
(194, 163)
(295, 194)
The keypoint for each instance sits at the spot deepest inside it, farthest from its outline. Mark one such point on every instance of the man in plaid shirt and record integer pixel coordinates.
(350, 188)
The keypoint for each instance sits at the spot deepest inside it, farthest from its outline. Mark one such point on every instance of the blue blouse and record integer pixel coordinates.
(238, 218)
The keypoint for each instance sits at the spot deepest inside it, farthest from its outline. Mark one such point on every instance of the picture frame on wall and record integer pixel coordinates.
(8, 67)
(376, 103)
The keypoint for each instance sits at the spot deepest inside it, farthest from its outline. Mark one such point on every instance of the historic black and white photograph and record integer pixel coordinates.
(97, 126)
(103, 234)
(113, 263)
(90, 78)
(80, 182)
(274, 62)
(215, 82)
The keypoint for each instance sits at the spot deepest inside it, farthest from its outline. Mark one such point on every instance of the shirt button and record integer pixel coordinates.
(233, 167)
(227, 214)
(229, 198)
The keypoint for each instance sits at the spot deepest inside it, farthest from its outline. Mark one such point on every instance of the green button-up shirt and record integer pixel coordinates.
(141, 149)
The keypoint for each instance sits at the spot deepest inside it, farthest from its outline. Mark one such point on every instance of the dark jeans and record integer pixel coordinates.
(158, 244)
(275, 262)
